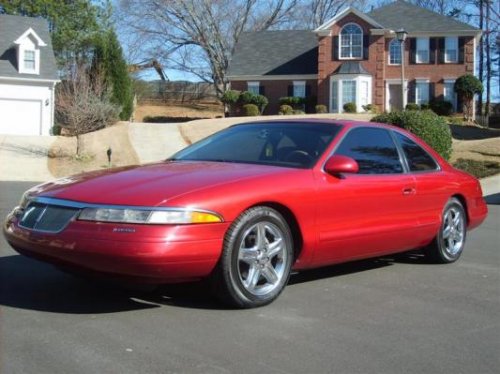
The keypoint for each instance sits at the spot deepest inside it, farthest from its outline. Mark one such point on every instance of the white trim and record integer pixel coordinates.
(427, 34)
(422, 80)
(39, 40)
(272, 77)
(395, 82)
(34, 80)
(328, 24)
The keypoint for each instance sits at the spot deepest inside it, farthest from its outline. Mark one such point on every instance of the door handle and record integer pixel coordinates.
(409, 191)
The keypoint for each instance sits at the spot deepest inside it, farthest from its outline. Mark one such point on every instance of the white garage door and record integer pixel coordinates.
(20, 117)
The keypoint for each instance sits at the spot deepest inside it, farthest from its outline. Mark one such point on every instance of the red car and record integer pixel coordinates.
(247, 205)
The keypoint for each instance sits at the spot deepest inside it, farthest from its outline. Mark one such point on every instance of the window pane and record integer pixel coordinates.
(348, 91)
(254, 87)
(422, 93)
(395, 52)
(373, 149)
(451, 47)
(29, 60)
(335, 100)
(422, 50)
(299, 89)
(418, 159)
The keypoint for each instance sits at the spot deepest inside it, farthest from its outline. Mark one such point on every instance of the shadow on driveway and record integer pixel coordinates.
(33, 285)
(473, 132)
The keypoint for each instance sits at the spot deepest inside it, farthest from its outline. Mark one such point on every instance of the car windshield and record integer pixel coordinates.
(297, 145)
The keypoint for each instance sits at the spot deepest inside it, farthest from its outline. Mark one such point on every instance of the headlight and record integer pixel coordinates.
(146, 216)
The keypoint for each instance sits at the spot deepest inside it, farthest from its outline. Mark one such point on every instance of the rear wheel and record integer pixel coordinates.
(450, 241)
(256, 260)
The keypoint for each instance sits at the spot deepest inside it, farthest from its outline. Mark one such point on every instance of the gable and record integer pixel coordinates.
(344, 17)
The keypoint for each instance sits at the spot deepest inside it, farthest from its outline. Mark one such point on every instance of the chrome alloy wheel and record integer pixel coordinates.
(262, 258)
(453, 233)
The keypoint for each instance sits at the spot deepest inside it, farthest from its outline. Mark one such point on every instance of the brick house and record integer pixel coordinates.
(355, 57)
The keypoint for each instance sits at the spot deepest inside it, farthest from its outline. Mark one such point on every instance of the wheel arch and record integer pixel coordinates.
(463, 201)
(292, 222)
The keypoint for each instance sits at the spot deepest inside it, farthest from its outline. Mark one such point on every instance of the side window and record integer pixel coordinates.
(373, 149)
(418, 159)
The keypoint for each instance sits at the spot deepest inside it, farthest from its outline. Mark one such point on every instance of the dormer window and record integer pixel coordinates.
(29, 60)
(28, 52)
(351, 42)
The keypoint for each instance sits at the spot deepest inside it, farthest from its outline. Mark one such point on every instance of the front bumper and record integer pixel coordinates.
(142, 253)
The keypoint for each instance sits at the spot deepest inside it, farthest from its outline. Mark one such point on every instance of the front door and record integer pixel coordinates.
(395, 98)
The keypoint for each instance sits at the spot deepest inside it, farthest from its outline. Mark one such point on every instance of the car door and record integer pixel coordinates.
(431, 186)
(370, 212)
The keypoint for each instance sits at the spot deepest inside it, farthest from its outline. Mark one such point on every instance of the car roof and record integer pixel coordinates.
(326, 121)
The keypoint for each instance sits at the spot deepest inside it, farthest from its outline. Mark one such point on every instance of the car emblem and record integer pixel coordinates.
(123, 229)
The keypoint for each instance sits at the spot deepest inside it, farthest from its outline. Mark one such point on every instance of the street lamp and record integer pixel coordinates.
(401, 36)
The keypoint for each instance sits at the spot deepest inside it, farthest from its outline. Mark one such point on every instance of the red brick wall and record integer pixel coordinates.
(274, 89)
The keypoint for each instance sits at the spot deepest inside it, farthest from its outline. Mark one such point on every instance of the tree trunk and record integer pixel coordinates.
(488, 63)
(479, 110)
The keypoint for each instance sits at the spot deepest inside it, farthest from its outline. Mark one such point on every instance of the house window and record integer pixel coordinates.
(348, 92)
(451, 49)
(422, 51)
(253, 87)
(351, 42)
(347, 88)
(299, 89)
(449, 93)
(422, 92)
(29, 60)
(395, 52)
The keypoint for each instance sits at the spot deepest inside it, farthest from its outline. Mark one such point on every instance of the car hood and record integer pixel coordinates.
(151, 184)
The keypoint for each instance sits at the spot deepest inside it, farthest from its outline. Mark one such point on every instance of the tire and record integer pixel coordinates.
(449, 243)
(256, 259)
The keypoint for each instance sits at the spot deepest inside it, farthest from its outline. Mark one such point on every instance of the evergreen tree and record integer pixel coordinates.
(109, 61)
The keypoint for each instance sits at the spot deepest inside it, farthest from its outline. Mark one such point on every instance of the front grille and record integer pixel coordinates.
(46, 217)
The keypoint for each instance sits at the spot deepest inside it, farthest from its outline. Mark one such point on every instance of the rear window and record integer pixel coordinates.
(418, 159)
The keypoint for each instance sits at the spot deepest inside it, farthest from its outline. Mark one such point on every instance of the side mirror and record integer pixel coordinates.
(338, 164)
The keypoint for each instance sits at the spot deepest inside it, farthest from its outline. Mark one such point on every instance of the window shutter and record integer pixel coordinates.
(441, 47)
(308, 90)
(413, 51)
(432, 50)
(335, 48)
(432, 91)
(461, 44)
(262, 90)
(290, 90)
(411, 91)
(366, 46)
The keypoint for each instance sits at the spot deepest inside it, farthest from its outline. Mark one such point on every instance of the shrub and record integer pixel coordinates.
(298, 111)
(230, 97)
(425, 124)
(321, 108)
(424, 106)
(441, 107)
(294, 102)
(285, 110)
(246, 97)
(350, 108)
(479, 169)
(261, 102)
(250, 110)
(467, 86)
(369, 108)
(412, 106)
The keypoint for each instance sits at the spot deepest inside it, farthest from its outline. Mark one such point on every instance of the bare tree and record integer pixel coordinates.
(83, 105)
(198, 36)
(316, 12)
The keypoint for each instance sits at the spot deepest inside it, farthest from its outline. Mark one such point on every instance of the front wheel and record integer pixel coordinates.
(450, 240)
(256, 260)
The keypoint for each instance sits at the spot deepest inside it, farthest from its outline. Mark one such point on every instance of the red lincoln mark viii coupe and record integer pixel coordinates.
(247, 205)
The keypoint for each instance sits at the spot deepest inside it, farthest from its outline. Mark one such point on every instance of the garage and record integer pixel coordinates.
(21, 117)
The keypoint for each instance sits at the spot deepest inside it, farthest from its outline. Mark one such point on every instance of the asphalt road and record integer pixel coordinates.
(379, 316)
